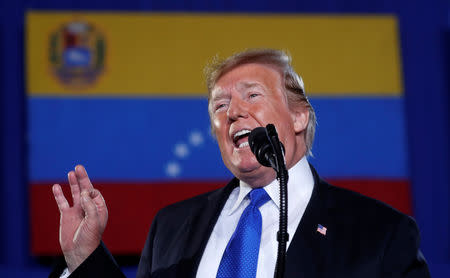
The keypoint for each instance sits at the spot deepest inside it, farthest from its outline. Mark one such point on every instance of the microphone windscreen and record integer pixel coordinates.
(260, 145)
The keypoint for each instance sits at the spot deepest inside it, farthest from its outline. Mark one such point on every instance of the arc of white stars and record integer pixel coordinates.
(182, 150)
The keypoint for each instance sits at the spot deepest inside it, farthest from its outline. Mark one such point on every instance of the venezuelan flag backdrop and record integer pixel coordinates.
(124, 95)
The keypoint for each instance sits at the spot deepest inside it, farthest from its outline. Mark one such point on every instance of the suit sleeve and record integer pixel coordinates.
(402, 257)
(99, 264)
(146, 261)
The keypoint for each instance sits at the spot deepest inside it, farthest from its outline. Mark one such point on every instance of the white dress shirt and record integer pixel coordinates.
(66, 272)
(300, 186)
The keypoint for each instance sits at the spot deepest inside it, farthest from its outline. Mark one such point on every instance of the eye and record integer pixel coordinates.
(220, 106)
(253, 95)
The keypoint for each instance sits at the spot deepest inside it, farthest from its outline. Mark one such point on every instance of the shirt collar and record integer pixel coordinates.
(244, 189)
(300, 185)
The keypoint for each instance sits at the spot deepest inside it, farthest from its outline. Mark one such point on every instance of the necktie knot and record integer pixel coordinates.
(258, 197)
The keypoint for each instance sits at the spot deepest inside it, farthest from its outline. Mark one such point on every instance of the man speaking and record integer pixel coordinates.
(232, 232)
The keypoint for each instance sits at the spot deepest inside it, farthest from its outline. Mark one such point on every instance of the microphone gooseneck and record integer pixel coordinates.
(269, 151)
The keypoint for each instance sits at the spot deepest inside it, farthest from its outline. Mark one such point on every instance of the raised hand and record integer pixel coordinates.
(81, 225)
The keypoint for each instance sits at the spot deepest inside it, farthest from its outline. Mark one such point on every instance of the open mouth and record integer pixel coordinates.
(240, 138)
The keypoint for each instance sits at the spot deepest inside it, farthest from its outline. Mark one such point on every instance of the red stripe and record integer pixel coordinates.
(132, 207)
(396, 193)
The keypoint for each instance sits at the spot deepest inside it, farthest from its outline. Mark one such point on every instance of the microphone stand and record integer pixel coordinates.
(283, 177)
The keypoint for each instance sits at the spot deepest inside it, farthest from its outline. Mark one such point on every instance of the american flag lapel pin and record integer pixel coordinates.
(321, 229)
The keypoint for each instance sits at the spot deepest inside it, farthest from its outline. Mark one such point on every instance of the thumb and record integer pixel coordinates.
(100, 204)
(89, 208)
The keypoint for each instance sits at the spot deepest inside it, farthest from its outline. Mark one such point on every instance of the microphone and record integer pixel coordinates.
(262, 147)
(261, 141)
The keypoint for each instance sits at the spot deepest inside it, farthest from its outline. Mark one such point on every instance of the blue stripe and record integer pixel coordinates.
(135, 139)
(360, 137)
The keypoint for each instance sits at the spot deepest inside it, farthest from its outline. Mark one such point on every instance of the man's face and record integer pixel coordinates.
(249, 96)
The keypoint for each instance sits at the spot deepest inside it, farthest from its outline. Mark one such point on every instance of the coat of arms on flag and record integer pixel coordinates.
(77, 53)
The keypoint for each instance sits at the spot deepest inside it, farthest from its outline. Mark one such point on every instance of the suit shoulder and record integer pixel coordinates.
(360, 217)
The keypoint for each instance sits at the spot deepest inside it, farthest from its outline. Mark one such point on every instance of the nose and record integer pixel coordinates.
(237, 109)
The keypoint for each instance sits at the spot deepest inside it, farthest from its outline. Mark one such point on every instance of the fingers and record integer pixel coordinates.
(83, 179)
(100, 203)
(98, 199)
(89, 207)
(59, 197)
(74, 188)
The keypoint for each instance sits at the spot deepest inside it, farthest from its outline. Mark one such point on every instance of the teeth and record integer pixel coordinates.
(240, 133)
(243, 145)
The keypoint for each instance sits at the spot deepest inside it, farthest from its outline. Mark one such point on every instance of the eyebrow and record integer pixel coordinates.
(218, 96)
(240, 85)
(247, 85)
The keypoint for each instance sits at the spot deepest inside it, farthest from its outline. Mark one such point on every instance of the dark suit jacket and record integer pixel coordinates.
(365, 238)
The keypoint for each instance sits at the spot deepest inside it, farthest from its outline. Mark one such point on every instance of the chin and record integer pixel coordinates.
(247, 163)
(258, 177)
(245, 167)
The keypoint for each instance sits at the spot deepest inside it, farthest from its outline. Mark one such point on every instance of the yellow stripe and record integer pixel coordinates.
(162, 54)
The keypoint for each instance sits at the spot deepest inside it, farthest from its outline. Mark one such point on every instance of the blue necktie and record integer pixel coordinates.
(240, 258)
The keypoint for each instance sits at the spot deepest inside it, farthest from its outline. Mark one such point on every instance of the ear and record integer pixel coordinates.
(300, 117)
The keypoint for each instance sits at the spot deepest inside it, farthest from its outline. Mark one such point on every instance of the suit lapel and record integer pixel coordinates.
(202, 222)
(307, 252)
